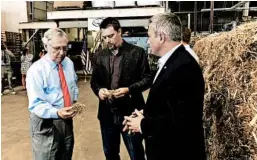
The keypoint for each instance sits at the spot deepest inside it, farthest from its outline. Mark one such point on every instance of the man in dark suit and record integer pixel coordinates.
(120, 75)
(171, 123)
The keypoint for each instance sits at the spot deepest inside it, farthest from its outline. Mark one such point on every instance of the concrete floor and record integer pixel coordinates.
(15, 128)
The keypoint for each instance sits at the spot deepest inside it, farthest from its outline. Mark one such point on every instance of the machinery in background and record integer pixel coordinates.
(74, 53)
(13, 42)
(142, 42)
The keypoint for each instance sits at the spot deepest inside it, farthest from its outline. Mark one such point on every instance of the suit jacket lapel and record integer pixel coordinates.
(161, 74)
(106, 64)
(124, 56)
(168, 66)
(122, 63)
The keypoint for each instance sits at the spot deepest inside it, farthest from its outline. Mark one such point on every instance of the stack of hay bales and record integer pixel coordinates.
(229, 62)
(194, 39)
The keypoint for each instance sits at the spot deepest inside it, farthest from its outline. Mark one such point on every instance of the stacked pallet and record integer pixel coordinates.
(13, 43)
(68, 5)
(3, 37)
(17, 43)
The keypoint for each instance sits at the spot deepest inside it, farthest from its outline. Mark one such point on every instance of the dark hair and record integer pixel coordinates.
(186, 35)
(110, 21)
(24, 51)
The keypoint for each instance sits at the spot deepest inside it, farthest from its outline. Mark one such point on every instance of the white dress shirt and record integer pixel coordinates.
(163, 60)
(193, 54)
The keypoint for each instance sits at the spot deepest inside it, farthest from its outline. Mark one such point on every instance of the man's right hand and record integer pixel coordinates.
(133, 115)
(66, 113)
(103, 93)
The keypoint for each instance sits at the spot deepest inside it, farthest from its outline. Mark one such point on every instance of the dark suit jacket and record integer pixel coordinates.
(134, 74)
(173, 126)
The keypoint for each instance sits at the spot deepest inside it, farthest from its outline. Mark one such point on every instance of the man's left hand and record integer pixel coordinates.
(120, 92)
(133, 124)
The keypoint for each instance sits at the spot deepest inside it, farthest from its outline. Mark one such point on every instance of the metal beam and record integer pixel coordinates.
(134, 22)
(73, 24)
(37, 25)
(126, 12)
(246, 12)
(229, 9)
(123, 22)
(81, 24)
(166, 6)
(211, 16)
(184, 12)
(195, 18)
(188, 20)
(238, 4)
(30, 38)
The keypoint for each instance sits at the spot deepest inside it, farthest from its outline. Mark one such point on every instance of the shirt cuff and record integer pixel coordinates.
(53, 113)
(140, 129)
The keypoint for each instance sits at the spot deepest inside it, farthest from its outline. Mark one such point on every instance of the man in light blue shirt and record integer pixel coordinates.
(51, 121)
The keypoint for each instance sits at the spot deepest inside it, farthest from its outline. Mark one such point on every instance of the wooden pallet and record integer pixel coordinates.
(3, 37)
(13, 41)
(68, 4)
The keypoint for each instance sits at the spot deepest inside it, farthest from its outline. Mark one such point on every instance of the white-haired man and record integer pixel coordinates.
(171, 122)
(52, 89)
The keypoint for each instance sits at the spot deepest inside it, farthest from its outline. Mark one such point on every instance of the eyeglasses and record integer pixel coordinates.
(58, 49)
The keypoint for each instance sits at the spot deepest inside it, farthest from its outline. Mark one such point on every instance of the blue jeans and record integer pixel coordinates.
(111, 140)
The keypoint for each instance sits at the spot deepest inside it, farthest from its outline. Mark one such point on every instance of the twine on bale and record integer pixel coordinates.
(229, 62)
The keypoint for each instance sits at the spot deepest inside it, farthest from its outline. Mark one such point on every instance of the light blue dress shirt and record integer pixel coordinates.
(44, 86)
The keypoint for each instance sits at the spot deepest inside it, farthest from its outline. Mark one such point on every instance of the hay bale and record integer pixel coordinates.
(196, 38)
(79, 108)
(229, 62)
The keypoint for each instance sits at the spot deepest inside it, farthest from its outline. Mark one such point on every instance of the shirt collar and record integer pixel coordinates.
(53, 63)
(121, 47)
(186, 45)
(164, 58)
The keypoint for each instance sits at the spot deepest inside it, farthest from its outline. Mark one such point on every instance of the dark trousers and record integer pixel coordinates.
(111, 140)
(52, 139)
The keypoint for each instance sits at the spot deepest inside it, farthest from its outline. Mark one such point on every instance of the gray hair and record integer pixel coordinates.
(52, 32)
(169, 24)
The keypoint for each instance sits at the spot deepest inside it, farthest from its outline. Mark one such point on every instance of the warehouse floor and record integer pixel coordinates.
(15, 128)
